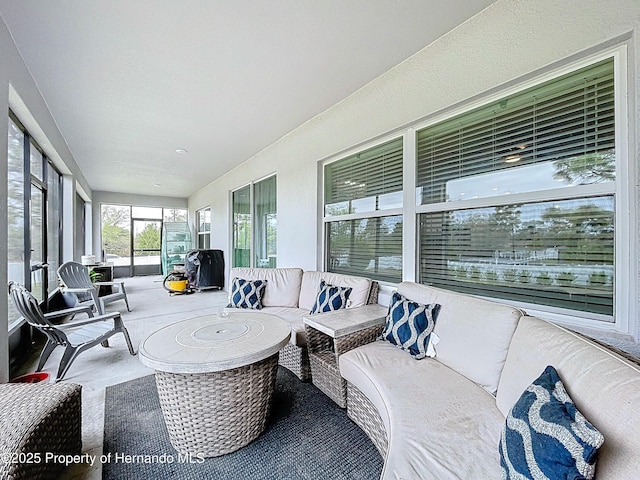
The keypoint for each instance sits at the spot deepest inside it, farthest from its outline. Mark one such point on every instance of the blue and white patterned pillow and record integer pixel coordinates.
(247, 293)
(330, 298)
(409, 324)
(545, 436)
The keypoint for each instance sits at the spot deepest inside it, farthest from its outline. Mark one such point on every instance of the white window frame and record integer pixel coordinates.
(623, 192)
(252, 240)
(199, 232)
(325, 219)
(624, 319)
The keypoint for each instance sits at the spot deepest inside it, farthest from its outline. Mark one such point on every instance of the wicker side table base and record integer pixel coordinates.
(296, 359)
(326, 376)
(211, 414)
(366, 416)
(324, 353)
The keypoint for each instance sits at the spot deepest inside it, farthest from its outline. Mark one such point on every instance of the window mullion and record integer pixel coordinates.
(582, 191)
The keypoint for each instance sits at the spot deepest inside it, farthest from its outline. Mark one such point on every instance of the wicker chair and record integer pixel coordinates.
(37, 419)
(76, 280)
(75, 336)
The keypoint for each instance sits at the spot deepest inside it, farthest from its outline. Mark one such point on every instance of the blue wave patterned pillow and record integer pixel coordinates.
(545, 436)
(409, 324)
(247, 293)
(330, 298)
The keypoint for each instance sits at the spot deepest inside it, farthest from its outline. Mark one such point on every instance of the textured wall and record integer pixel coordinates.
(509, 41)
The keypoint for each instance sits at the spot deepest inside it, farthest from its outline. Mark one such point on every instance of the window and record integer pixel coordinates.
(363, 202)
(517, 198)
(15, 212)
(241, 205)
(255, 243)
(131, 236)
(203, 225)
(265, 228)
(174, 215)
(116, 234)
(54, 225)
(34, 213)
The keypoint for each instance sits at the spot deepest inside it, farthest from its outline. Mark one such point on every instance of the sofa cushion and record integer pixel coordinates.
(604, 387)
(294, 316)
(246, 293)
(409, 325)
(439, 425)
(330, 298)
(360, 287)
(474, 333)
(546, 436)
(283, 287)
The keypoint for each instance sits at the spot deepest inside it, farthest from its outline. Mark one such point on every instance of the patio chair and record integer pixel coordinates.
(75, 336)
(75, 278)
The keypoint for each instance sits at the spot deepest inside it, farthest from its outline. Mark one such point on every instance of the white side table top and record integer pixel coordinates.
(347, 320)
(214, 343)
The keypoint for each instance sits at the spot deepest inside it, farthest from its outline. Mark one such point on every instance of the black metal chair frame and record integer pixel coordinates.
(90, 332)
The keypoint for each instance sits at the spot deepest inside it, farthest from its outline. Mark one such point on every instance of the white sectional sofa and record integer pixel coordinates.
(441, 418)
(290, 294)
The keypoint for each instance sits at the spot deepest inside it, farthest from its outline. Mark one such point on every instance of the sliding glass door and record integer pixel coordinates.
(131, 237)
(146, 247)
(255, 221)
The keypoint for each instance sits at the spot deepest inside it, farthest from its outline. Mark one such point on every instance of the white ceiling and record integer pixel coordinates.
(129, 82)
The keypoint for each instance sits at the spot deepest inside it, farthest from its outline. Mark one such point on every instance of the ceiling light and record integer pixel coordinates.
(181, 151)
(512, 158)
(157, 185)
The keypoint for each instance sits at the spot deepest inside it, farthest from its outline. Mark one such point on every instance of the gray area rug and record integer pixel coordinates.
(307, 437)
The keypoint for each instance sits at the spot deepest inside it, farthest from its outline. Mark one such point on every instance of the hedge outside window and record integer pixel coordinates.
(517, 198)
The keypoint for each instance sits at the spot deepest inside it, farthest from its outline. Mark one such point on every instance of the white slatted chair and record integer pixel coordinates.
(75, 278)
(75, 336)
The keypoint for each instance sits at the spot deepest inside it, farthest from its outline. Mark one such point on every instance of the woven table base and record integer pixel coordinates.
(210, 414)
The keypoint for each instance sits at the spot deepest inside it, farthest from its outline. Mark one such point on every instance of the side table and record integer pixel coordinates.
(331, 334)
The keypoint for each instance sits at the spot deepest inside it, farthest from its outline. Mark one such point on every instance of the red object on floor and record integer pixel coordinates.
(31, 378)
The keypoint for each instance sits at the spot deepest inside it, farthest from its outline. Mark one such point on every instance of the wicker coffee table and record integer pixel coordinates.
(215, 378)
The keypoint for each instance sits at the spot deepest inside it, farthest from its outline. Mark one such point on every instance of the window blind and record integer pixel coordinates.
(567, 123)
(551, 253)
(367, 181)
(557, 252)
(370, 247)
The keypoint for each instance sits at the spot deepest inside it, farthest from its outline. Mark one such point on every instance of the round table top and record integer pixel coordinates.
(214, 343)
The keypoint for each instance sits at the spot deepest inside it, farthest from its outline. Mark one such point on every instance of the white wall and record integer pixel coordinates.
(508, 42)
